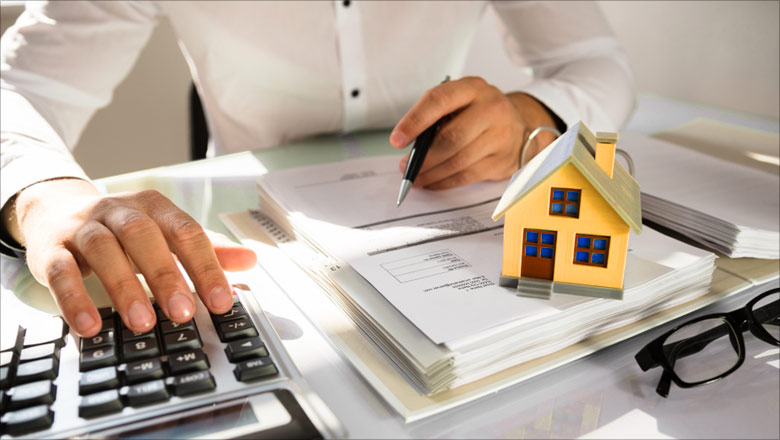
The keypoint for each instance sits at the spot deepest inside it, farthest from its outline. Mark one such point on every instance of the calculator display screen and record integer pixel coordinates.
(202, 424)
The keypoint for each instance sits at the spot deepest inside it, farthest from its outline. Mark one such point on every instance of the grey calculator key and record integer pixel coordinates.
(27, 420)
(6, 358)
(40, 369)
(142, 371)
(106, 312)
(183, 340)
(35, 393)
(243, 349)
(98, 357)
(97, 404)
(236, 312)
(145, 393)
(255, 369)
(191, 383)
(190, 360)
(170, 326)
(99, 340)
(39, 351)
(236, 329)
(129, 335)
(98, 380)
(140, 349)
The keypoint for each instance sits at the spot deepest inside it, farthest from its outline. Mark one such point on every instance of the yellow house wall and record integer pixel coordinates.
(596, 218)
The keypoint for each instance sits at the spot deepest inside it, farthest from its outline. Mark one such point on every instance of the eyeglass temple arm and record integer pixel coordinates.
(664, 384)
(681, 348)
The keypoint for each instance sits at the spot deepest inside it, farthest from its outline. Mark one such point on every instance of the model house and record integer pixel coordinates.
(567, 216)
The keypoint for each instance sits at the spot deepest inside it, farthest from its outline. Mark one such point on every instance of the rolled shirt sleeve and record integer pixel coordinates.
(60, 63)
(580, 70)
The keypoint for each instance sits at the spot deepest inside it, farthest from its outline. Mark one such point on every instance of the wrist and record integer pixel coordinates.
(30, 199)
(533, 114)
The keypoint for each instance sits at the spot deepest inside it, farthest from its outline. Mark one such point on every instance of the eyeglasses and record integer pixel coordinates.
(711, 347)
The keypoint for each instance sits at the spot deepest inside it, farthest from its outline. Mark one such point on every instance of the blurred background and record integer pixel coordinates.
(718, 54)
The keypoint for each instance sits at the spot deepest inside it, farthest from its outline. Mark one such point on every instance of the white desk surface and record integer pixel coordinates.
(604, 395)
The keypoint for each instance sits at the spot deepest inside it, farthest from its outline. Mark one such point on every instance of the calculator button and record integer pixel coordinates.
(5, 377)
(100, 403)
(106, 312)
(40, 369)
(6, 358)
(236, 312)
(140, 349)
(49, 330)
(145, 393)
(99, 340)
(36, 393)
(183, 340)
(142, 371)
(191, 383)
(170, 326)
(39, 351)
(98, 380)
(27, 420)
(245, 349)
(236, 329)
(187, 361)
(98, 357)
(255, 369)
(108, 324)
(129, 335)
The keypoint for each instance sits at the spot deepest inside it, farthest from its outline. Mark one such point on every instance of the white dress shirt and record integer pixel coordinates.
(272, 72)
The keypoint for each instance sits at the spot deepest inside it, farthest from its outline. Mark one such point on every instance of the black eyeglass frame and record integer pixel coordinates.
(653, 355)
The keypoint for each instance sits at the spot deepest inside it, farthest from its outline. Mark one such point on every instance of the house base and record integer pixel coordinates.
(543, 289)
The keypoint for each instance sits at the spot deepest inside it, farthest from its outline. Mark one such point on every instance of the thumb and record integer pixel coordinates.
(231, 255)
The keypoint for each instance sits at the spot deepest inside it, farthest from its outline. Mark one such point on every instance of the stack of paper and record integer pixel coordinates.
(421, 280)
(726, 205)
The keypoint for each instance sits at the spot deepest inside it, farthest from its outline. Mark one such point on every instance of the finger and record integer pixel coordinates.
(232, 256)
(433, 105)
(463, 159)
(454, 136)
(100, 248)
(193, 248)
(62, 275)
(479, 171)
(144, 243)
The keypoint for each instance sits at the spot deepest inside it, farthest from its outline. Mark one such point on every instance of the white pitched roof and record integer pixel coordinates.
(577, 147)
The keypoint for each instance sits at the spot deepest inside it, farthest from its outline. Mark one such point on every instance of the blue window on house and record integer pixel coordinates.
(548, 238)
(546, 252)
(532, 237)
(530, 251)
(565, 202)
(591, 250)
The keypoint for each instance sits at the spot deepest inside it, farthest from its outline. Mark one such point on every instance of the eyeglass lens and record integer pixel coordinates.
(766, 312)
(702, 350)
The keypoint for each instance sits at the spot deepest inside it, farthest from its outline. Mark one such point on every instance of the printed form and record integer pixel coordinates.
(436, 258)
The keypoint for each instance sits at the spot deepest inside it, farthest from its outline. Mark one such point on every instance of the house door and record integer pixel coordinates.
(538, 253)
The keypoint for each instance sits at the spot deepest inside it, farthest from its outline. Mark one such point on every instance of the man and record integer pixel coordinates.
(268, 72)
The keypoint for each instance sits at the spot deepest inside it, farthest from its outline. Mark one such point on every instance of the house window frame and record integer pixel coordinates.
(565, 202)
(591, 250)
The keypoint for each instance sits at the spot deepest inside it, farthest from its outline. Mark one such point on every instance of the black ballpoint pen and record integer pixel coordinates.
(417, 156)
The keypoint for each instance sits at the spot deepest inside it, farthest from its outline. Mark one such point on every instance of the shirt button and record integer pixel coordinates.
(355, 93)
(346, 3)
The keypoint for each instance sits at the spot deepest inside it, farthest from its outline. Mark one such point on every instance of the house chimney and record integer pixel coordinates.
(605, 151)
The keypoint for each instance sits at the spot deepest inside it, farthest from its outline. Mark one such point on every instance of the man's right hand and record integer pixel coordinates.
(70, 230)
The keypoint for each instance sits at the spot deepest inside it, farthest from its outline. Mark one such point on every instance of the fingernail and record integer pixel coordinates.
(84, 321)
(139, 315)
(397, 139)
(179, 307)
(220, 298)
